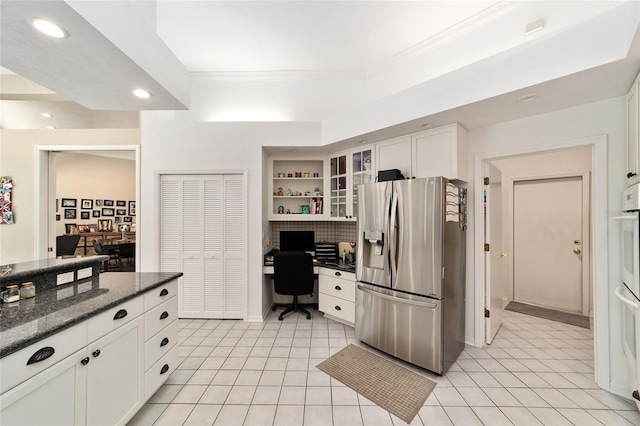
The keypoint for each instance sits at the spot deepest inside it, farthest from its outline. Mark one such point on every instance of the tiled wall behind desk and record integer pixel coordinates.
(324, 231)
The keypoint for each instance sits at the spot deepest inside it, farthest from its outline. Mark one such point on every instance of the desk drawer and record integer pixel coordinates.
(338, 308)
(337, 287)
(160, 317)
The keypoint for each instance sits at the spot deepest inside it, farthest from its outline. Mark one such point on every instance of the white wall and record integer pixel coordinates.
(17, 159)
(539, 132)
(173, 143)
(93, 177)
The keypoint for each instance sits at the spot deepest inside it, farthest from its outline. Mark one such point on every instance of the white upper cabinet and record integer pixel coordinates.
(347, 170)
(394, 154)
(440, 152)
(297, 188)
(633, 133)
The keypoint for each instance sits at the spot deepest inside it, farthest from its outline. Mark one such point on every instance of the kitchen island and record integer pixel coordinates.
(92, 351)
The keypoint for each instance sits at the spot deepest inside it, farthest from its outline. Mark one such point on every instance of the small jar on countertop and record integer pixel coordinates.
(11, 294)
(27, 290)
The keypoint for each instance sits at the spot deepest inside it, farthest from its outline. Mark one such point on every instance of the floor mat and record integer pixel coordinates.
(394, 388)
(551, 314)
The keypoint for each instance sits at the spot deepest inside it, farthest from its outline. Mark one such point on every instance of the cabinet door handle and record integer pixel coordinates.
(338, 274)
(96, 353)
(164, 315)
(164, 342)
(41, 355)
(338, 308)
(338, 288)
(165, 368)
(85, 361)
(120, 314)
(630, 175)
(164, 292)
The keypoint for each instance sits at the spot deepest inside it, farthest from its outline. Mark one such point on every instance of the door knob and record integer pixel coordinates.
(503, 254)
(577, 251)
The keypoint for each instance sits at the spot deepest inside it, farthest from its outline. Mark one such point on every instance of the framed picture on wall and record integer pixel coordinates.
(121, 212)
(124, 227)
(57, 217)
(128, 219)
(98, 203)
(107, 211)
(96, 213)
(83, 228)
(86, 204)
(57, 203)
(117, 219)
(69, 213)
(121, 203)
(108, 202)
(69, 202)
(132, 208)
(93, 227)
(70, 228)
(85, 215)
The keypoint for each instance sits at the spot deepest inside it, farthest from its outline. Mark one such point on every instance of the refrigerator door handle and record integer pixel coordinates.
(386, 238)
(393, 246)
(397, 299)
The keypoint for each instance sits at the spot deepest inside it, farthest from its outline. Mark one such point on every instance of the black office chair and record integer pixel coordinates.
(128, 253)
(66, 245)
(114, 255)
(293, 276)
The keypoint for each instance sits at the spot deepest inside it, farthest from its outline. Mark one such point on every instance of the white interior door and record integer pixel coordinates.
(495, 266)
(203, 235)
(550, 228)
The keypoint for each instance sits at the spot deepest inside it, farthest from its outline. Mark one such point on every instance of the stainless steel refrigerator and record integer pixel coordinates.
(410, 273)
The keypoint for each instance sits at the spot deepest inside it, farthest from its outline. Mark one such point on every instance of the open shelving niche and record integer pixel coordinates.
(311, 188)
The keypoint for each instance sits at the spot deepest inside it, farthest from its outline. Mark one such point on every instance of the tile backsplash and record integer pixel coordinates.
(324, 231)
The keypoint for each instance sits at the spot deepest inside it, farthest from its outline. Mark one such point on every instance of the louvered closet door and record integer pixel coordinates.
(205, 221)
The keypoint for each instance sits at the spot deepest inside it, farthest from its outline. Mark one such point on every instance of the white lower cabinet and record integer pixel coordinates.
(104, 382)
(337, 295)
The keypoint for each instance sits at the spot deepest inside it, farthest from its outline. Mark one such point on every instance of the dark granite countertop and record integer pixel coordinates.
(15, 271)
(29, 320)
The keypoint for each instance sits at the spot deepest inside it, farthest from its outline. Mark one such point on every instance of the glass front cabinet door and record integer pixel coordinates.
(347, 171)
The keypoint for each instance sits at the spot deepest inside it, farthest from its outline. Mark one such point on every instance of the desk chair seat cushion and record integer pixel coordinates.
(293, 276)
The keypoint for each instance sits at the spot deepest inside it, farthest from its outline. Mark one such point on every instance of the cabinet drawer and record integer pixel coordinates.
(159, 317)
(326, 272)
(160, 372)
(160, 294)
(118, 316)
(338, 308)
(160, 344)
(342, 289)
(14, 367)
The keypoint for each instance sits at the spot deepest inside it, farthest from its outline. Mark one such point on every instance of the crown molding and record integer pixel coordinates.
(281, 75)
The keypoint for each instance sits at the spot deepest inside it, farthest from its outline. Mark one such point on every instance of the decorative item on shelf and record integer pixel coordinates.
(316, 174)
(317, 192)
(280, 192)
(307, 174)
(280, 209)
(281, 175)
(289, 192)
(307, 193)
(288, 211)
(305, 209)
(290, 175)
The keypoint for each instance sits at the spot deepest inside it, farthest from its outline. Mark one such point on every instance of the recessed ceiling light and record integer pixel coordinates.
(46, 114)
(533, 27)
(527, 98)
(48, 28)
(141, 93)
(51, 128)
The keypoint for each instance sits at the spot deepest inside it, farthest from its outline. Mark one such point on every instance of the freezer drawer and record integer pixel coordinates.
(409, 329)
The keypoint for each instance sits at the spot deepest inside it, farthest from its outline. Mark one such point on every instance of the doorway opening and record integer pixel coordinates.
(594, 149)
(46, 189)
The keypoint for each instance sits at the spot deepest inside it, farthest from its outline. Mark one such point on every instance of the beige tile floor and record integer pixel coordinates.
(536, 372)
